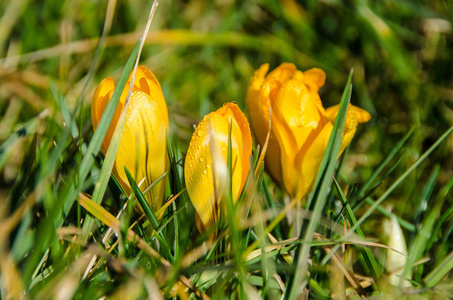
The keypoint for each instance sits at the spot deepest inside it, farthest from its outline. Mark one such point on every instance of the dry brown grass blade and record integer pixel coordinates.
(66, 282)
(255, 253)
(22, 91)
(190, 285)
(11, 285)
(108, 219)
(196, 253)
(286, 256)
(348, 274)
(161, 37)
(161, 210)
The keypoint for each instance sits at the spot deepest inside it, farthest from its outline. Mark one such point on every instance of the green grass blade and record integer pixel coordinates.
(420, 244)
(150, 214)
(390, 190)
(436, 275)
(98, 138)
(384, 163)
(426, 193)
(366, 252)
(298, 281)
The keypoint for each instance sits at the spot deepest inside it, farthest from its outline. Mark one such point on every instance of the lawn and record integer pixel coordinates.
(365, 214)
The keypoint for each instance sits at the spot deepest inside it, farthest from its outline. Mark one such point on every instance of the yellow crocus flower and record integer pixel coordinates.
(300, 126)
(205, 168)
(142, 147)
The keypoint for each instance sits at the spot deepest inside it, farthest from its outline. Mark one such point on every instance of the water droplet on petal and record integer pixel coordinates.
(201, 159)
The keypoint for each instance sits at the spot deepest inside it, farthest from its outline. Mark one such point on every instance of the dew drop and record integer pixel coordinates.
(205, 171)
(201, 159)
(208, 166)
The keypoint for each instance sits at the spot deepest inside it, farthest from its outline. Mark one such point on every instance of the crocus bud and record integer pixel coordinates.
(300, 126)
(205, 168)
(142, 147)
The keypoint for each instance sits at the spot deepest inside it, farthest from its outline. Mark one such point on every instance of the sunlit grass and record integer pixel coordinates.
(61, 236)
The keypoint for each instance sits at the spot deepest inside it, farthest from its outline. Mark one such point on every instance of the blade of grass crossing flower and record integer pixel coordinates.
(323, 181)
(366, 252)
(231, 217)
(107, 116)
(390, 190)
(114, 185)
(98, 137)
(150, 214)
(436, 275)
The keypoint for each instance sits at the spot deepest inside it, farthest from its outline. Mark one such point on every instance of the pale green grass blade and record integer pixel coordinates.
(436, 275)
(324, 179)
(419, 246)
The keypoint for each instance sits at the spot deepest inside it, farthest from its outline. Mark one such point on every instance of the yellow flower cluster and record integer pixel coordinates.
(300, 130)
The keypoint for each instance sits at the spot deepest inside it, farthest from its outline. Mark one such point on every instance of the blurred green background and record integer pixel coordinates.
(205, 52)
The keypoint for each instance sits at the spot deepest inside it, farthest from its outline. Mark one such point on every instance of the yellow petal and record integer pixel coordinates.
(98, 105)
(362, 115)
(315, 78)
(297, 119)
(258, 108)
(146, 82)
(283, 72)
(350, 127)
(142, 147)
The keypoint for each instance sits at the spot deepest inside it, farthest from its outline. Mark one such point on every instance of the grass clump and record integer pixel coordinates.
(68, 229)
